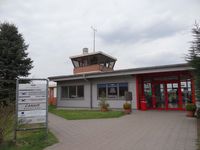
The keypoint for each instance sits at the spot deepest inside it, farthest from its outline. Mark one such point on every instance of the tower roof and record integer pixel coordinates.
(92, 62)
(99, 55)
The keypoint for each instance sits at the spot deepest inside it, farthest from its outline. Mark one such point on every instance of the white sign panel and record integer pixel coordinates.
(32, 113)
(32, 91)
(31, 100)
(32, 106)
(30, 120)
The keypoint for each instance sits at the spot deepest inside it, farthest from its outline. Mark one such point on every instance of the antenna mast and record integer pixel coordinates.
(94, 30)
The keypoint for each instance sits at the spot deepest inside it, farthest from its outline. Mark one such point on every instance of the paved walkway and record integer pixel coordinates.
(150, 130)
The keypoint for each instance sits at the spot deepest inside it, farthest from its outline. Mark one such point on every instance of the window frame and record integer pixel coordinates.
(120, 86)
(118, 97)
(68, 94)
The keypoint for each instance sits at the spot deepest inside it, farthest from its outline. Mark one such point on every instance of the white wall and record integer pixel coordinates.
(118, 103)
(85, 102)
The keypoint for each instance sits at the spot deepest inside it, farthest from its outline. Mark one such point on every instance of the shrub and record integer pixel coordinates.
(103, 104)
(6, 118)
(198, 113)
(190, 107)
(127, 105)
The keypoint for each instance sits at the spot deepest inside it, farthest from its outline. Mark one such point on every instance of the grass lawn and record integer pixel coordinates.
(26, 140)
(84, 114)
(30, 140)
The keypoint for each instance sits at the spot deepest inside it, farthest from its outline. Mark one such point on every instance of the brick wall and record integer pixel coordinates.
(91, 68)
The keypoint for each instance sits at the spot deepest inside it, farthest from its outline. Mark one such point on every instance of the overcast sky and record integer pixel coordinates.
(137, 32)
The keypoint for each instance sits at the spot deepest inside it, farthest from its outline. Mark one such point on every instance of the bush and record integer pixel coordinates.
(6, 118)
(198, 113)
(190, 107)
(103, 104)
(127, 105)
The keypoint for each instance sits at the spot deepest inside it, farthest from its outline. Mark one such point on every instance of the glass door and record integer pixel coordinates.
(160, 97)
(186, 92)
(166, 95)
(163, 94)
(172, 95)
(148, 94)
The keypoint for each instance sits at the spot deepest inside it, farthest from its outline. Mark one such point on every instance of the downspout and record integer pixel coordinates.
(91, 104)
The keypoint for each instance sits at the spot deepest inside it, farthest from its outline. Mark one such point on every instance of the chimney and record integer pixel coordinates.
(85, 50)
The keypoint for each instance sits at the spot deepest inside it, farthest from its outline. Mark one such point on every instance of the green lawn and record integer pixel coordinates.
(30, 140)
(84, 114)
(26, 140)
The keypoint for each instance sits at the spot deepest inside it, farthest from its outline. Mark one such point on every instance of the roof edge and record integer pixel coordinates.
(93, 53)
(141, 70)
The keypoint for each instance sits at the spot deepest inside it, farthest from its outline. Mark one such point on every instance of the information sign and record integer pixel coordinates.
(31, 120)
(31, 104)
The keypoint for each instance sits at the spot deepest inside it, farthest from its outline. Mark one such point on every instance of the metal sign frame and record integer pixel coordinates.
(17, 100)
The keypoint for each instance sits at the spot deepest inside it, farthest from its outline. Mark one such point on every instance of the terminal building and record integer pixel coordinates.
(166, 87)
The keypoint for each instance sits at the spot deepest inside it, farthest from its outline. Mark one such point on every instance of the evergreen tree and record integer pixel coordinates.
(14, 61)
(194, 57)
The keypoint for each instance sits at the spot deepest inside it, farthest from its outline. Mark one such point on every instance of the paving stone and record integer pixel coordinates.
(142, 130)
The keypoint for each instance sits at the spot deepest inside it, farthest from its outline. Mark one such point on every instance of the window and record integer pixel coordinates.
(80, 91)
(64, 92)
(101, 90)
(123, 87)
(112, 90)
(76, 63)
(186, 92)
(72, 92)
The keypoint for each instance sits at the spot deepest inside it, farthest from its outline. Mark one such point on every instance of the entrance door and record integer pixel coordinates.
(172, 95)
(165, 95)
(160, 96)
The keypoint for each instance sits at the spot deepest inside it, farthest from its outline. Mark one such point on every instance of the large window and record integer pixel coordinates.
(64, 92)
(101, 90)
(80, 91)
(123, 87)
(112, 90)
(186, 91)
(72, 92)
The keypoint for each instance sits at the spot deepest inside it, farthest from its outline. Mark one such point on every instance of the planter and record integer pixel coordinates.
(104, 109)
(190, 108)
(190, 113)
(127, 111)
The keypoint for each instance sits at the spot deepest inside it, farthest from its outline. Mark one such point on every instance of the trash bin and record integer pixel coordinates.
(143, 105)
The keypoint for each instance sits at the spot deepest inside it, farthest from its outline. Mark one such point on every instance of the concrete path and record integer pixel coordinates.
(150, 130)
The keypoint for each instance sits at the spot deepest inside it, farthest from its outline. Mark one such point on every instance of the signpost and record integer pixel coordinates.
(31, 104)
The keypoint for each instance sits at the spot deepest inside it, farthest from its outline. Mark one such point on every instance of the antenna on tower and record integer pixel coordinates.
(94, 30)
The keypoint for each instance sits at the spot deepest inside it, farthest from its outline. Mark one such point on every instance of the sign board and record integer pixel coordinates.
(31, 105)
(32, 91)
(32, 113)
(31, 120)
(32, 102)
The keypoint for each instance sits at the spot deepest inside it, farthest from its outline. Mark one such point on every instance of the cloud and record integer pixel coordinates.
(127, 34)
(138, 33)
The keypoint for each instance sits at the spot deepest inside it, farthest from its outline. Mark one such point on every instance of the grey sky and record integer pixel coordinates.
(137, 32)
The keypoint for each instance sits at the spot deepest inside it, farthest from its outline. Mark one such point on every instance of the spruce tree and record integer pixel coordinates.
(14, 60)
(193, 59)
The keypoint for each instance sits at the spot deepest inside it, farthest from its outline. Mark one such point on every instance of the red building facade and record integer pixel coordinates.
(165, 91)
